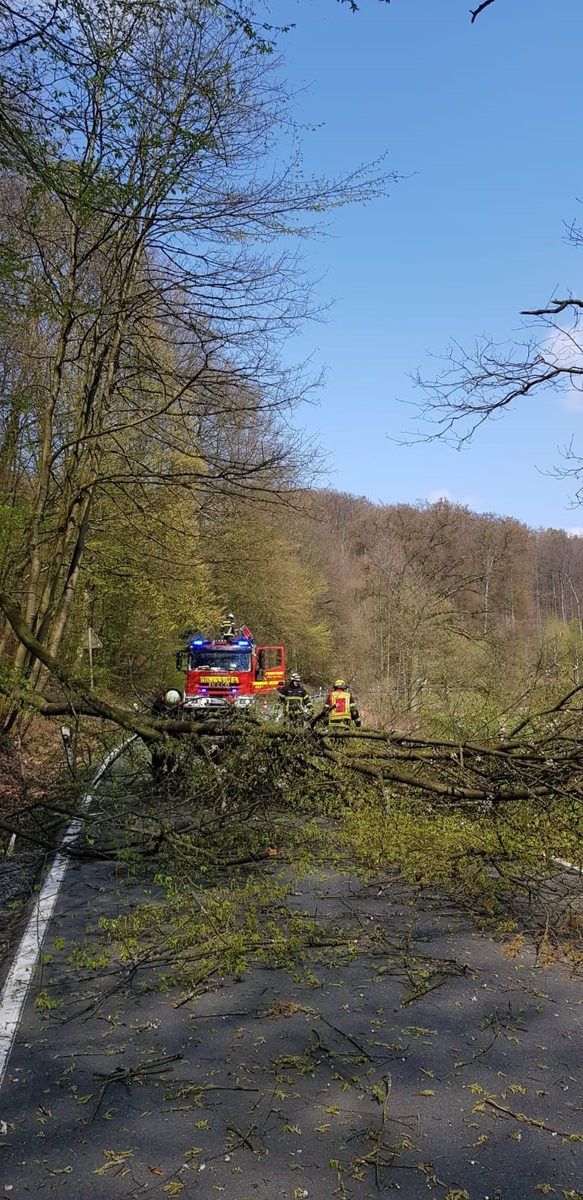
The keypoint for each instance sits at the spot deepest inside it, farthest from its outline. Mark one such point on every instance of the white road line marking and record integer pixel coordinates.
(562, 862)
(20, 976)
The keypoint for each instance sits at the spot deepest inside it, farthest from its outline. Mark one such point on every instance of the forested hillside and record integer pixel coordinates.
(439, 610)
(153, 470)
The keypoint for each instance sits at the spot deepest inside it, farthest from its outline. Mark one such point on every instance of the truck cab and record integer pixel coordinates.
(228, 671)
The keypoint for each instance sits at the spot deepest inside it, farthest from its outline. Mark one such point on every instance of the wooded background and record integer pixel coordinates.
(153, 473)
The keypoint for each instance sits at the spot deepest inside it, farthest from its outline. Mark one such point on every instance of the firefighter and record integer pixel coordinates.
(341, 709)
(158, 707)
(166, 704)
(228, 631)
(295, 700)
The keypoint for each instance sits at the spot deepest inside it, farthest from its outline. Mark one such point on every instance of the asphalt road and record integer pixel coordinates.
(431, 1062)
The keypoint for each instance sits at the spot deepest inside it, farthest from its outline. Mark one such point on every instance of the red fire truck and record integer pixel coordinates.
(228, 671)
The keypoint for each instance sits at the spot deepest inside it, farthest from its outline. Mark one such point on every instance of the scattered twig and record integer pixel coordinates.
(244, 1137)
(518, 1116)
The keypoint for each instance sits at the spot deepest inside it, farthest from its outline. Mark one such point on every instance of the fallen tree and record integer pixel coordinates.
(540, 756)
(487, 820)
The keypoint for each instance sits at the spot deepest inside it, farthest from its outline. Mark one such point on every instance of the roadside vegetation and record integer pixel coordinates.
(210, 848)
(153, 474)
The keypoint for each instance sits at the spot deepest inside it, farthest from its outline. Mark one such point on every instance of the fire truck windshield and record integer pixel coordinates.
(230, 658)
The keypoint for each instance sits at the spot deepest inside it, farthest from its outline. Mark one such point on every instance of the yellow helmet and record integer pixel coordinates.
(339, 683)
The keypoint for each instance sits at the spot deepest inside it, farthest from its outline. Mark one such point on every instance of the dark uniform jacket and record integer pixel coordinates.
(293, 696)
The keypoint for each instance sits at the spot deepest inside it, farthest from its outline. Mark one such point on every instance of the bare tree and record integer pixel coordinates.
(143, 198)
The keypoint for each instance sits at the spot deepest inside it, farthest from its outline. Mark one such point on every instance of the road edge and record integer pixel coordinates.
(21, 973)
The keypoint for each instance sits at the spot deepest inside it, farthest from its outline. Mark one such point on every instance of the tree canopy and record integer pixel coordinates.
(144, 290)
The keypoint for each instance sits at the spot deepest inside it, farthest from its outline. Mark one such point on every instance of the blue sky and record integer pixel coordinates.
(484, 123)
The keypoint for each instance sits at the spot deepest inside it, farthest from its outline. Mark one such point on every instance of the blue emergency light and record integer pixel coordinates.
(198, 642)
(243, 642)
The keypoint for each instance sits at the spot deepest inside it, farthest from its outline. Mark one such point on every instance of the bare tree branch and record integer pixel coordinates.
(476, 11)
(555, 307)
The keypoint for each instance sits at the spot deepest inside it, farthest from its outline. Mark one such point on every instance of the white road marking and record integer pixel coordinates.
(569, 866)
(20, 976)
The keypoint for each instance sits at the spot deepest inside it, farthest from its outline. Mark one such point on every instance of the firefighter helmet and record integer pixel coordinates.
(172, 697)
(295, 677)
(339, 683)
